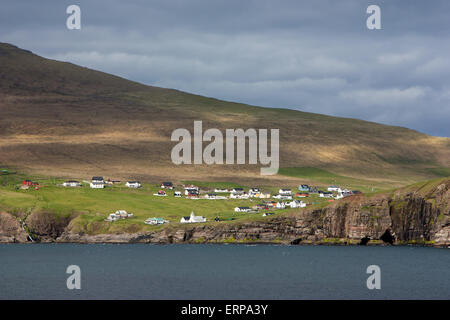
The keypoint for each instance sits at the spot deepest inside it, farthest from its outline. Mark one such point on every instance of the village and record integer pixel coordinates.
(257, 201)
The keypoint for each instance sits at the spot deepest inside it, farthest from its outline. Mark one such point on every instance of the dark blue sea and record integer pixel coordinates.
(139, 271)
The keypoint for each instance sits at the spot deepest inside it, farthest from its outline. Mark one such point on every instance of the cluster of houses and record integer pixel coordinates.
(155, 221)
(98, 182)
(284, 196)
(122, 214)
(337, 192)
(333, 192)
(193, 192)
(272, 205)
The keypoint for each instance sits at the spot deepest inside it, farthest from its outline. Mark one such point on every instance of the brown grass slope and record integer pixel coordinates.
(65, 120)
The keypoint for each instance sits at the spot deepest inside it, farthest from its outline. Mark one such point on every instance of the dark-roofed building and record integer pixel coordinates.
(167, 185)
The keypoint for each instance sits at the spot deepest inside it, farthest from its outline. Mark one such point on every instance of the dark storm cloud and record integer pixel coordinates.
(314, 56)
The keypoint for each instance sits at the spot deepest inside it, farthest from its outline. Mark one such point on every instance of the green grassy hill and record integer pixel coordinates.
(92, 206)
(62, 120)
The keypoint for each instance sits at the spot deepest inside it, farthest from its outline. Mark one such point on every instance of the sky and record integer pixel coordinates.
(315, 56)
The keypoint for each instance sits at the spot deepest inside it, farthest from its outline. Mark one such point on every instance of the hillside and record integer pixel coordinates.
(63, 120)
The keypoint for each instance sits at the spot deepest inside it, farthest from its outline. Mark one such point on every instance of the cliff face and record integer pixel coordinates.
(411, 215)
(10, 229)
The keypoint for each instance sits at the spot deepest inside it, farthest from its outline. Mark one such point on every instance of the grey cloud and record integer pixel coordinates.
(315, 56)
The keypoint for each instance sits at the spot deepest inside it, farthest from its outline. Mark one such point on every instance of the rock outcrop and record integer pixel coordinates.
(11, 229)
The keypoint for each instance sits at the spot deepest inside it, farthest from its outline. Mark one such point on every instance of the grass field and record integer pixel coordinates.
(93, 205)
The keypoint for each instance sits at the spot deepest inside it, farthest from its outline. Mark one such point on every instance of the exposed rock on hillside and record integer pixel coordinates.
(10, 229)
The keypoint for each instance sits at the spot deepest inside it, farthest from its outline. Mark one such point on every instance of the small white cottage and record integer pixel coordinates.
(71, 183)
(334, 188)
(285, 191)
(97, 185)
(193, 219)
(133, 184)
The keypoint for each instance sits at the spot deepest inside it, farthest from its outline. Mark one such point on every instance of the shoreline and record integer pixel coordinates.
(339, 243)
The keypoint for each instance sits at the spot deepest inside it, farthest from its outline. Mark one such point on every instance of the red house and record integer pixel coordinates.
(27, 182)
(302, 195)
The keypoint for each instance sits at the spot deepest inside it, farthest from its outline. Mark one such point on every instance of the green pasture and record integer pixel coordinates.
(93, 205)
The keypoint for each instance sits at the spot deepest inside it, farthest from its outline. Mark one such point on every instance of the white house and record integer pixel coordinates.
(97, 185)
(339, 196)
(282, 197)
(334, 188)
(98, 179)
(192, 219)
(285, 191)
(133, 184)
(97, 182)
(324, 194)
(237, 190)
(71, 183)
(242, 209)
(177, 194)
(218, 190)
(344, 193)
(296, 204)
(213, 196)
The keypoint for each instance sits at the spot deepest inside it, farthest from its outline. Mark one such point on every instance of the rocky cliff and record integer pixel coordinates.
(10, 229)
(418, 214)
